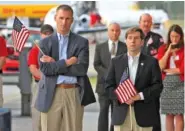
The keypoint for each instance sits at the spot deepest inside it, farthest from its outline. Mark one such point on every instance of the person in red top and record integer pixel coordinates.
(33, 64)
(3, 54)
(171, 61)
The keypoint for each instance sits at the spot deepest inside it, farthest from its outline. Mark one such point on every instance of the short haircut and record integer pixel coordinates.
(135, 29)
(46, 28)
(147, 14)
(114, 23)
(64, 7)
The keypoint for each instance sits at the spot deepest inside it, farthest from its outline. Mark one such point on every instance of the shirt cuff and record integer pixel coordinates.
(141, 95)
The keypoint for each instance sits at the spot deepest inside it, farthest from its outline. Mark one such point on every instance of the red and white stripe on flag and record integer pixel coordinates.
(19, 34)
(125, 91)
(20, 38)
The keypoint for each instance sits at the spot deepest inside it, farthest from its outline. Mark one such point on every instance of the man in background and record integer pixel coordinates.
(103, 54)
(152, 42)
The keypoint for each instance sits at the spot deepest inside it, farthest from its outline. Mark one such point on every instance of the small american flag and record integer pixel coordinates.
(126, 89)
(19, 34)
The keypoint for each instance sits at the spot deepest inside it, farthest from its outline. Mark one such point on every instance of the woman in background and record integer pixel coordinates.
(171, 61)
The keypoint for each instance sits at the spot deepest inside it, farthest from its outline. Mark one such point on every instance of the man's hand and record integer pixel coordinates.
(136, 98)
(71, 61)
(46, 58)
(129, 102)
(132, 99)
(35, 71)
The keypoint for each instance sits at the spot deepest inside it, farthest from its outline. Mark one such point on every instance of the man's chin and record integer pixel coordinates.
(134, 50)
(146, 30)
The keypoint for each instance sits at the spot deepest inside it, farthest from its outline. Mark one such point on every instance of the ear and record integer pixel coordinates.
(139, 22)
(72, 19)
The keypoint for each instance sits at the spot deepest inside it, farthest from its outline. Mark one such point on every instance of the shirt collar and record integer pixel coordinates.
(133, 57)
(110, 42)
(59, 35)
(148, 34)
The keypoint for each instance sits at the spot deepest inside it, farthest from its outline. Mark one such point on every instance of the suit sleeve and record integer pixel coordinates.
(110, 82)
(97, 61)
(155, 88)
(50, 68)
(80, 69)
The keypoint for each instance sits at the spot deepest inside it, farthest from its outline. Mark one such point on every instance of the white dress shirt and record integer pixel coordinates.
(133, 62)
(63, 44)
(110, 47)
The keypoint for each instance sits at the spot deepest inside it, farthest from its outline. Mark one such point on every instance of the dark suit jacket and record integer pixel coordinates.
(77, 46)
(148, 80)
(102, 60)
(152, 42)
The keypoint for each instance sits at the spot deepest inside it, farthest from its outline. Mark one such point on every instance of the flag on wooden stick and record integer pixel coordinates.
(19, 34)
(125, 89)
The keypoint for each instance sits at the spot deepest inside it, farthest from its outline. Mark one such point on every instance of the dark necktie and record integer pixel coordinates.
(113, 50)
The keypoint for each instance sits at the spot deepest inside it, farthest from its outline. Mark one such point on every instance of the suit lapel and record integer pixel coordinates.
(55, 46)
(140, 67)
(123, 63)
(107, 52)
(71, 45)
(119, 49)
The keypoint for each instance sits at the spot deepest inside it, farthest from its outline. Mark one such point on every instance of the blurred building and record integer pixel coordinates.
(174, 9)
(30, 14)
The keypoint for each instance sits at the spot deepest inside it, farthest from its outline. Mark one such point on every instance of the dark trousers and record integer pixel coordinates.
(158, 126)
(103, 120)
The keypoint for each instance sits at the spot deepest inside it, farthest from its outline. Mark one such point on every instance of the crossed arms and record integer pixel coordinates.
(73, 66)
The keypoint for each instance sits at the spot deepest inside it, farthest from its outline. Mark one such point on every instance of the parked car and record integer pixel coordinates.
(12, 60)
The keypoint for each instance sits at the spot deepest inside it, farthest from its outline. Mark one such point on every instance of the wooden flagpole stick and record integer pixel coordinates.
(130, 107)
(13, 16)
(38, 47)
